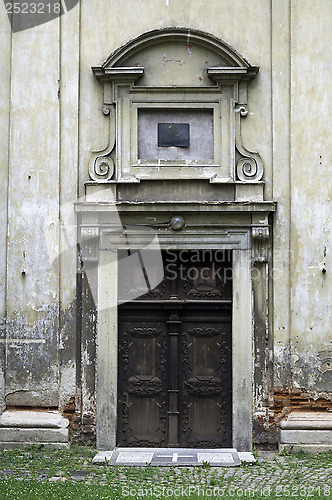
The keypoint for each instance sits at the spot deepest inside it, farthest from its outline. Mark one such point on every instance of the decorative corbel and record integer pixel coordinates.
(102, 166)
(249, 168)
(89, 244)
(260, 239)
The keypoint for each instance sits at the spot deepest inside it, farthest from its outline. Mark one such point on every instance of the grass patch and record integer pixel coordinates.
(14, 489)
(25, 474)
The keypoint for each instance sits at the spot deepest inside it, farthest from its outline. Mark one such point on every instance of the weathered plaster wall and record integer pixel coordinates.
(68, 191)
(311, 214)
(302, 169)
(54, 121)
(39, 157)
(32, 285)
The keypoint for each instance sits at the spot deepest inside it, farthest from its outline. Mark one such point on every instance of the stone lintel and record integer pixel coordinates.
(210, 206)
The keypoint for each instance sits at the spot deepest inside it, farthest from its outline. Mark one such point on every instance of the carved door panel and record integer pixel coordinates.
(175, 367)
(206, 379)
(142, 380)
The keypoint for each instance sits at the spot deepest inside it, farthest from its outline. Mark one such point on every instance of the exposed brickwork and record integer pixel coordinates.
(286, 400)
(266, 428)
(82, 428)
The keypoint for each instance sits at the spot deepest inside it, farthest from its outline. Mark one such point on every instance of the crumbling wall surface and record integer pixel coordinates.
(32, 365)
(38, 188)
(51, 120)
(311, 222)
(303, 238)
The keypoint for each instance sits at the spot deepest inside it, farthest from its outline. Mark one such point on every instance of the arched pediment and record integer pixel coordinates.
(177, 56)
(180, 36)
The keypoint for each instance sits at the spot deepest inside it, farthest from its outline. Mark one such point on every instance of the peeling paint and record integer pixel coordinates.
(48, 349)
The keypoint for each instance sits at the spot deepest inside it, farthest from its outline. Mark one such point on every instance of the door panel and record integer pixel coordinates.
(175, 367)
(206, 386)
(142, 377)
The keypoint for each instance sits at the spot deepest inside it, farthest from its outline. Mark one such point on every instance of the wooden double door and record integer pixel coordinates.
(175, 360)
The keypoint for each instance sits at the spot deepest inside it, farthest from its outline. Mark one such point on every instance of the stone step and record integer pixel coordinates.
(141, 457)
(307, 431)
(21, 428)
(307, 421)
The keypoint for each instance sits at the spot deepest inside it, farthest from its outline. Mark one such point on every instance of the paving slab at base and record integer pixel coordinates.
(14, 445)
(141, 457)
(308, 448)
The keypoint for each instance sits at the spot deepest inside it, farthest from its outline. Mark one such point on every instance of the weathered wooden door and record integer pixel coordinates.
(175, 368)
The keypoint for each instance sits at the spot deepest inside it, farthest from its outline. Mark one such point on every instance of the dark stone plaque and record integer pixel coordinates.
(173, 134)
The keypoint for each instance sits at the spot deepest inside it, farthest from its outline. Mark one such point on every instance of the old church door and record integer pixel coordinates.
(175, 366)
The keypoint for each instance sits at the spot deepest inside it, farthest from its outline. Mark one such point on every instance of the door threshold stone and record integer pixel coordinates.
(179, 457)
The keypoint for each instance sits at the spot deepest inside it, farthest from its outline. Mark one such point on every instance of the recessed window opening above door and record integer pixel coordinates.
(196, 135)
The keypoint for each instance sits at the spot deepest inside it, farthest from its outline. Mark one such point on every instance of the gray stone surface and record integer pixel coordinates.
(246, 456)
(306, 436)
(307, 421)
(169, 456)
(308, 448)
(31, 418)
(21, 428)
(33, 435)
(125, 457)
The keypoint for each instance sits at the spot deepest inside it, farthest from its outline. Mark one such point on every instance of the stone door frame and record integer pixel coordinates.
(240, 227)
(107, 333)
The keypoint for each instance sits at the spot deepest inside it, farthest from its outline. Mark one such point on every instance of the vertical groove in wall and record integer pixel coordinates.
(79, 97)
(5, 284)
(290, 194)
(271, 96)
(8, 164)
(270, 283)
(59, 191)
(68, 188)
(8, 154)
(79, 275)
